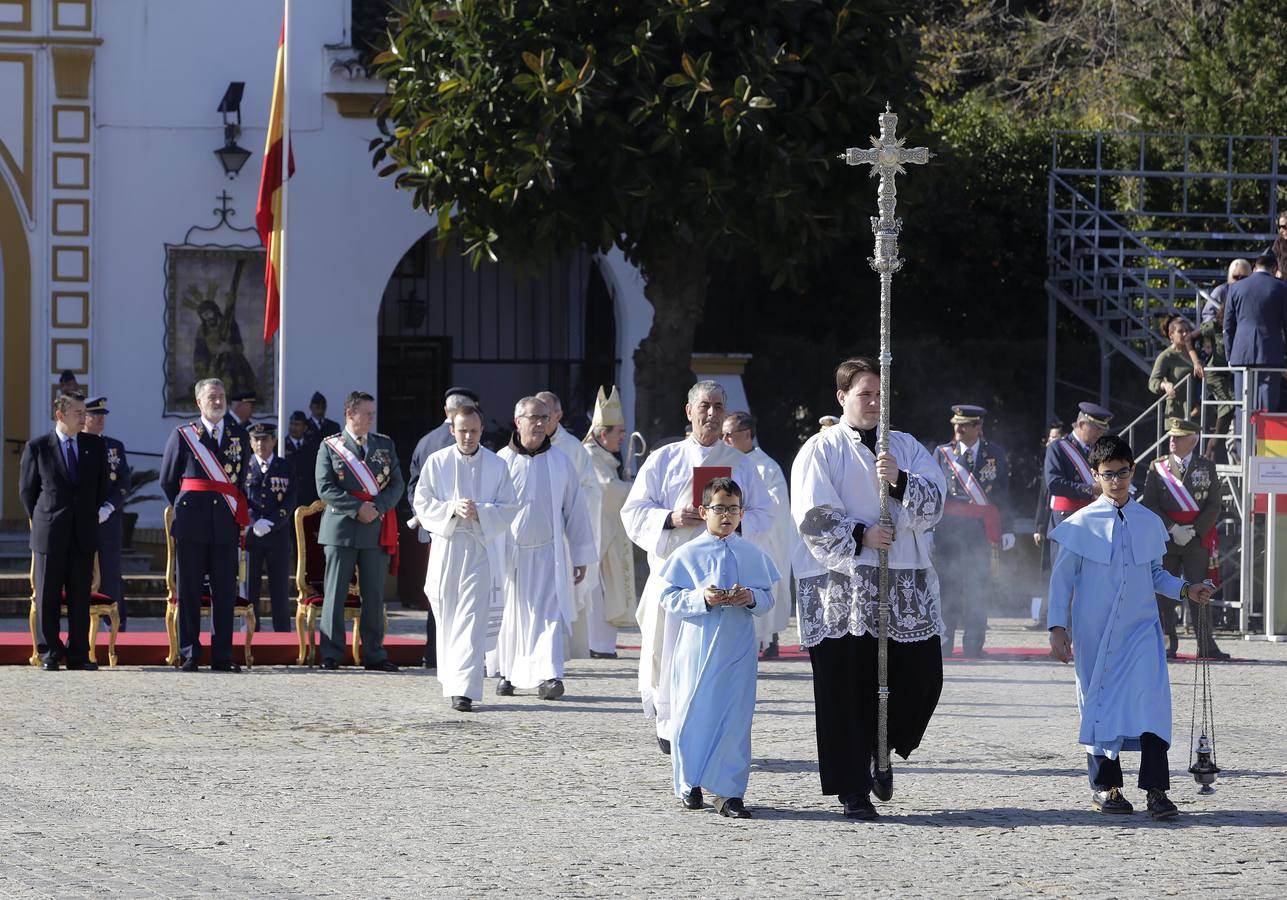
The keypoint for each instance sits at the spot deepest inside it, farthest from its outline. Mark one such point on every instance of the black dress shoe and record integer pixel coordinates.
(189, 665)
(1160, 806)
(1212, 652)
(225, 667)
(330, 665)
(693, 799)
(1171, 654)
(772, 651)
(731, 808)
(1110, 801)
(49, 665)
(595, 654)
(550, 689)
(664, 745)
(462, 704)
(504, 688)
(882, 783)
(85, 666)
(859, 806)
(387, 665)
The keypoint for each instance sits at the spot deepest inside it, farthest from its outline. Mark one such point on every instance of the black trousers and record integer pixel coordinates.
(1189, 562)
(272, 551)
(844, 699)
(196, 560)
(70, 571)
(1155, 771)
(963, 559)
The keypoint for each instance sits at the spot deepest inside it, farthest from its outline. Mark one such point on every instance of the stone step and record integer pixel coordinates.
(19, 561)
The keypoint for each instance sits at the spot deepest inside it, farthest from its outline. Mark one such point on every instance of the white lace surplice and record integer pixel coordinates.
(834, 488)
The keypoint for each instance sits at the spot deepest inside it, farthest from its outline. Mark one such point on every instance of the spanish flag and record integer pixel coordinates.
(268, 209)
(1271, 440)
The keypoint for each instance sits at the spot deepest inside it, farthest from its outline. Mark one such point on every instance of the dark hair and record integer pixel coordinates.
(851, 368)
(352, 400)
(1171, 320)
(742, 421)
(67, 377)
(64, 400)
(1267, 261)
(1058, 423)
(1109, 448)
(716, 485)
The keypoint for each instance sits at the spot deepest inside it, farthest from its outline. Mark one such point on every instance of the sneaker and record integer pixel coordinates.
(1110, 801)
(504, 688)
(1160, 807)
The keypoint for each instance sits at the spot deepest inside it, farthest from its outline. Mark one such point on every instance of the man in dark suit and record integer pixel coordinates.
(110, 532)
(270, 490)
(318, 424)
(63, 483)
(300, 450)
(977, 524)
(241, 408)
(1255, 331)
(203, 472)
(1184, 490)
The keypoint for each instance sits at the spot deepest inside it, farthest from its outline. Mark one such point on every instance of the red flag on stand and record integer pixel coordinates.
(268, 209)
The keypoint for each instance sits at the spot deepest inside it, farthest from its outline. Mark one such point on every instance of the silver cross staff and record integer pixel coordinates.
(886, 157)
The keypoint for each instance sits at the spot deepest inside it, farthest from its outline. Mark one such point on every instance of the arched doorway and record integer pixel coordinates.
(503, 333)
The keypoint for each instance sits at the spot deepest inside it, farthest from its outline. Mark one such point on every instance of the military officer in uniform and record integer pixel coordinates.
(300, 450)
(318, 424)
(1069, 480)
(1183, 489)
(241, 408)
(109, 532)
(359, 477)
(203, 475)
(270, 490)
(977, 524)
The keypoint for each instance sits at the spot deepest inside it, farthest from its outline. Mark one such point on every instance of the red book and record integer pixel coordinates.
(704, 475)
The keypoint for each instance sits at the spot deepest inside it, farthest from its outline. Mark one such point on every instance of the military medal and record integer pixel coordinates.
(280, 496)
(112, 475)
(227, 467)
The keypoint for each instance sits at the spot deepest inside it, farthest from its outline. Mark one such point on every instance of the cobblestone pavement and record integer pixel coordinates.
(284, 782)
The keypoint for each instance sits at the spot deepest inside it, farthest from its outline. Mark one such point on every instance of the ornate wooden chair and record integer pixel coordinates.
(99, 605)
(310, 572)
(242, 607)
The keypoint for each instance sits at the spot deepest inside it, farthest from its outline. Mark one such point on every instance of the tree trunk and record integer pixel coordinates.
(676, 280)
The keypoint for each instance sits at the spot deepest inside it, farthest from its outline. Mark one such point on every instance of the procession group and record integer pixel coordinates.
(531, 563)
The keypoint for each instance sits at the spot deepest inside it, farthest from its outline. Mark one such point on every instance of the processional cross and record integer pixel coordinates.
(886, 156)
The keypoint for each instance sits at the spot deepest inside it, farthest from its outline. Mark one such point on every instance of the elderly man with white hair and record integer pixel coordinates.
(660, 515)
(539, 602)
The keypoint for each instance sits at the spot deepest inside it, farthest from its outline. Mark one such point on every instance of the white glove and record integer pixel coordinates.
(105, 512)
(1181, 534)
(413, 522)
(262, 527)
(1007, 542)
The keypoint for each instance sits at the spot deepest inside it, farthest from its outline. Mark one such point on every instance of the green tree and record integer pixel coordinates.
(680, 131)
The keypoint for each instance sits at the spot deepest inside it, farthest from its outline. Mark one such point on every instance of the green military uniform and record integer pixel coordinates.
(1191, 560)
(350, 543)
(1171, 365)
(1219, 384)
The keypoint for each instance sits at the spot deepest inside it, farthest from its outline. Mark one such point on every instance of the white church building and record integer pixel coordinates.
(128, 253)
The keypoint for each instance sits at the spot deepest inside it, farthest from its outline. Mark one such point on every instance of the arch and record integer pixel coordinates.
(15, 377)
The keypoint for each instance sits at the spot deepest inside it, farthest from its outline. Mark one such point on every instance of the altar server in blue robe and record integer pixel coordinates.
(1110, 560)
(715, 584)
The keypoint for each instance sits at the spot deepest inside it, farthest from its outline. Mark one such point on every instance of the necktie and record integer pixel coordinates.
(69, 452)
(361, 442)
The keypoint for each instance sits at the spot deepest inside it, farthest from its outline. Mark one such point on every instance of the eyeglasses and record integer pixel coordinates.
(1282, 225)
(725, 510)
(536, 418)
(1119, 475)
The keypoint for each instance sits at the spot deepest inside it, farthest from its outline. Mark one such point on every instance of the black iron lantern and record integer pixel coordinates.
(231, 156)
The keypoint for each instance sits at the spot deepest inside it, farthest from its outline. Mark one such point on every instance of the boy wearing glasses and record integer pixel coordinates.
(1110, 558)
(715, 585)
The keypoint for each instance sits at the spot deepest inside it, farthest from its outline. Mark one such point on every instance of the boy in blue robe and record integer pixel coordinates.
(1110, 560)
(715, 584)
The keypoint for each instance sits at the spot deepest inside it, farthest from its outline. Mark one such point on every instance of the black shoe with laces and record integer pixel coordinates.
(504, 688)
(1160, 806)
(1110, 801)
(859, 806)
(693, 799)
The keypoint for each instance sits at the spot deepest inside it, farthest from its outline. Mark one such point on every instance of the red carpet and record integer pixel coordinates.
(990, 654)
(149, 648)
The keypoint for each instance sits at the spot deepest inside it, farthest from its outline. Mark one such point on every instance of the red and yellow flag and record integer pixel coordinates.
(268, 209)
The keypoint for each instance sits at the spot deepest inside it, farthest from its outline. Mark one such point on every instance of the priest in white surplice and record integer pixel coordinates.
(465, 499)
(660, 516)
(780, 541)
(539, 602)
(612, 602)
(578, 644)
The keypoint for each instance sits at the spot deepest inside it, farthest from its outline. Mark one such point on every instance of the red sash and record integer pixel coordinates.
(241, 512)
(363, 473)
(990, 515)
(1210, 540)
(388, 532)
(1067, 504)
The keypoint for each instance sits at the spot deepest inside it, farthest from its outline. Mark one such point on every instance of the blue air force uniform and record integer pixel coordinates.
(110, 533)
(302, 455)
(271, 492)
(963, 547)
(207, 538)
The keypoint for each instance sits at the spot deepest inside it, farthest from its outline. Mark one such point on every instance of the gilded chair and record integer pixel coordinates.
(99, 605)
(310, 573)
(242, 607)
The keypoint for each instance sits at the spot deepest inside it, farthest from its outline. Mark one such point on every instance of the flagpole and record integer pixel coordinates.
(282, 415)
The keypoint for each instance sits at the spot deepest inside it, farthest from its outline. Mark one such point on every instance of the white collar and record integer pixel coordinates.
(62, 435)
(265, 463)
(353, 437)
(211, 426)
(972, 450)
(1184, 463)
